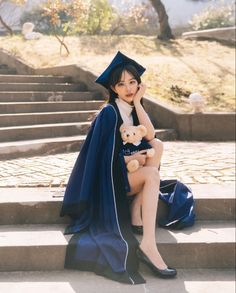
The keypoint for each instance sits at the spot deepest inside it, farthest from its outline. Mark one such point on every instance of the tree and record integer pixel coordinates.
(78, 16)
(100, 16)
(165, 30)
(75, 11)
(5, 25)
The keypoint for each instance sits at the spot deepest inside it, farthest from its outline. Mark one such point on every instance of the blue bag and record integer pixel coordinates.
(180, 202)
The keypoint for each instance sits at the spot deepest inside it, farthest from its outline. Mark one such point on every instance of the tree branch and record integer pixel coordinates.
(7, 27)
(61, 42)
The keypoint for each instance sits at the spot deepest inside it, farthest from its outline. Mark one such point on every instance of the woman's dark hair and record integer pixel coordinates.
(116, 77)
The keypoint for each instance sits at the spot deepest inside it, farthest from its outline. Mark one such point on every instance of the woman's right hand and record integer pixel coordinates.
(139, 156)
(139, 94)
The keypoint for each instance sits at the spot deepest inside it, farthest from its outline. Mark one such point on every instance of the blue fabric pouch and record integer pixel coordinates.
(179, 200)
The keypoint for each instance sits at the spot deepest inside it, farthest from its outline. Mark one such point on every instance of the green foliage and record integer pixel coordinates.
(43, 24)
(214, 17)
(91, 17)
(100, 16)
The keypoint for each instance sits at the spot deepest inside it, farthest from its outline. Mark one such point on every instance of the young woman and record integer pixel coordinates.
(98, 193)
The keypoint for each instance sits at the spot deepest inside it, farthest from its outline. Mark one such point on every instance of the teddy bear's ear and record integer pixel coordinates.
(122, 127)
(142, 129)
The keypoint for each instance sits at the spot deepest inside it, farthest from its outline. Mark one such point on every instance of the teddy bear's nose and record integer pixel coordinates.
(127, 135)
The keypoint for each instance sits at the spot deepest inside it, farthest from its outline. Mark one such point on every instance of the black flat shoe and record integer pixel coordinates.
(165, 274)
(137, 229)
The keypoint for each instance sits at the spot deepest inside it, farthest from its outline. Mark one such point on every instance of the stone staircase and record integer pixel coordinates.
(31, 235)
(42, 115)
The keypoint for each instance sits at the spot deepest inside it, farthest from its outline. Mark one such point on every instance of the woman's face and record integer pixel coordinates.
(127, 87)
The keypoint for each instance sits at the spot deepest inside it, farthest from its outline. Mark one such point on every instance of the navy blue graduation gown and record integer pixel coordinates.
(96, 200)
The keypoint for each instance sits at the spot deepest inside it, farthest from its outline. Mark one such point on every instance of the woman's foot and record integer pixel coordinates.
(153, 254)
(166, 273)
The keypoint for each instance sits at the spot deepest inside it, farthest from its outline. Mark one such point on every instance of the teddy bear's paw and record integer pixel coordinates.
(150, 153)
(133, 166)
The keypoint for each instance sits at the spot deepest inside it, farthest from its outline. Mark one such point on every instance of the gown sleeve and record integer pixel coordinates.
(81, 187)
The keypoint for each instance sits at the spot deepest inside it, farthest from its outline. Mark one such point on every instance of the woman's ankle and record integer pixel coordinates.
(147, 245)
(153, 254)
(136, 221)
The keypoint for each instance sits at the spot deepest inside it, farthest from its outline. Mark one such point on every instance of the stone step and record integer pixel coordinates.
(72, 281)
(19, 133)
(34, 107)
(166, 134)
(7, 120)
(10, 78)
(47, 96)
(54, 145)
(37, 147)
(42, 87)
(42, 205)
(43, 247)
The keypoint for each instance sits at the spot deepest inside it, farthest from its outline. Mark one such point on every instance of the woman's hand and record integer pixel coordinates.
(140, 92)
(139, 156)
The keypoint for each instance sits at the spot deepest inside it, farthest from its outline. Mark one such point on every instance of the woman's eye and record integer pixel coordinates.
(133, 81)
(134, 133)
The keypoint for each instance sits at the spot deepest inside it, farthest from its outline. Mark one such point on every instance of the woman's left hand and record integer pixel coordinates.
(140, 92)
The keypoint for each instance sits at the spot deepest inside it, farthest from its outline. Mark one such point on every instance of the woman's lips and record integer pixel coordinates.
(129, 95)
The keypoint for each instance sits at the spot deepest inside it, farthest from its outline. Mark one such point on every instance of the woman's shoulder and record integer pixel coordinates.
(107, 114)
(106, 117)
(108, 110)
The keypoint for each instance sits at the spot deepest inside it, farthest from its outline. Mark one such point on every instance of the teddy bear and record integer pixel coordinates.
(134, 142)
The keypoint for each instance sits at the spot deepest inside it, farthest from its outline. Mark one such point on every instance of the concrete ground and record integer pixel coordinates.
(188, 281)
(190, 162)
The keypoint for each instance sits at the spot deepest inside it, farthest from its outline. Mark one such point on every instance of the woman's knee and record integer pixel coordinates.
(143, 175)
(158, 145)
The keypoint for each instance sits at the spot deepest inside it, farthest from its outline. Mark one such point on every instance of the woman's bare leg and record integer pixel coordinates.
(135, 210)
(146, 180)
(136, 205)
(149, 211)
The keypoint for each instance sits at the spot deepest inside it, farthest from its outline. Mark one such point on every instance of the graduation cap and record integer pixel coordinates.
(119, 60)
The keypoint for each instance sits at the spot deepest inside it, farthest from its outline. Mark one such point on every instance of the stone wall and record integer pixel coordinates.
(203, 127)
(15, 62)
(226, 34)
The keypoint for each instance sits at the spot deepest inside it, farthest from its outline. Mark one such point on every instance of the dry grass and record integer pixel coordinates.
(174, 69)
